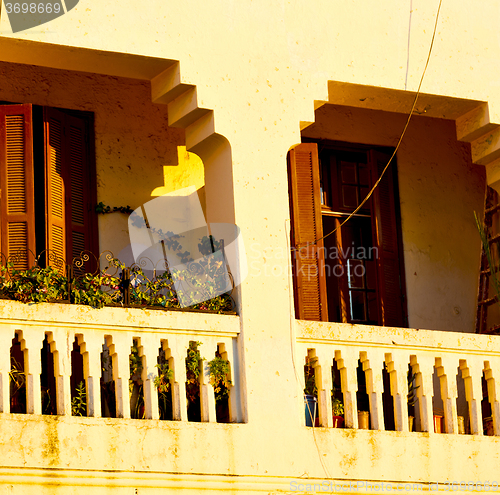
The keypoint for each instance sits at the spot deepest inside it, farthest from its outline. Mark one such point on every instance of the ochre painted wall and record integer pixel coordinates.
(136, 151)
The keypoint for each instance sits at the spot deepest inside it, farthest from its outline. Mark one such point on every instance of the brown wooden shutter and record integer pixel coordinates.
(55, 164)
(385, 225)
(70, 183)
(17, 207)
(307, 251)
(77, 198)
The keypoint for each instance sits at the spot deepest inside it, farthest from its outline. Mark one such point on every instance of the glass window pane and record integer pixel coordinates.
(348, 172)
(372, 306)
(371, 276)
(356, 274)
(350, 196)
(358, 305)
(364, 176)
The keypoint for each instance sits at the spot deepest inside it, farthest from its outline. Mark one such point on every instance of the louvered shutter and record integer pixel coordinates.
(71, 223)
(17, 185)
(307, 251)
(384, 221)
(77, 196)
(55, 208)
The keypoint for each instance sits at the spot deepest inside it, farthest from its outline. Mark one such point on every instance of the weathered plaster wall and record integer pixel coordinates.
(439, 190)
(136, 151)
(261, 66)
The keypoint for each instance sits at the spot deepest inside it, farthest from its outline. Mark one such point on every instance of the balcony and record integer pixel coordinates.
(109, 334)
(449, 371)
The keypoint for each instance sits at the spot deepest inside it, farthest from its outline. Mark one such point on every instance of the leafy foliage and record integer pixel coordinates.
(99, 289)
(162, 381)
(193, 370)
(103, 209)
(136, 391)
(337, 407)
(309, 376)
(79, 402)
(33, 285)
(412, 388)
(219, 372)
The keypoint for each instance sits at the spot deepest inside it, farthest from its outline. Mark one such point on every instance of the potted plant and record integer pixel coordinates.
(438, 415)
(338, 413)
(310, 392)
(162, 385)
(219, 370)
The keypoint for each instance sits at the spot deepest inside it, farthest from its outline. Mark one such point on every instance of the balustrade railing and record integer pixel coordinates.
(131, 372)
(394, 372)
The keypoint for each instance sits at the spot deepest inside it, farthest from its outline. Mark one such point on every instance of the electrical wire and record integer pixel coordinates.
(323, 464)
(368, 196)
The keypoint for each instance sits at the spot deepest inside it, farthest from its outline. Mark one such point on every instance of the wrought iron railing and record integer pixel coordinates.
(205, 284)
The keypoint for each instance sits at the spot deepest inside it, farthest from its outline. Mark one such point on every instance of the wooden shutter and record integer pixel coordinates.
(385, 228)
(307, 251)
(55, 165)
(77, 221)
(71, 223)
(17, 208)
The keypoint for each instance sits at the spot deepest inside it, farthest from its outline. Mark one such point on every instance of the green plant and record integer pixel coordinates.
(17, 377)
(136, 392)
(412, 388)
(102, 208)
(79, 402)
(88, 290)
(337, 407)
(219, 371)
(310, 377)
(33, 285)
(162, 385)
(193, 370)
(162, 381)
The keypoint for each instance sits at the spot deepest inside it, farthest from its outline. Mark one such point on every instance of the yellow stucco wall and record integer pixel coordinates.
(263, 68)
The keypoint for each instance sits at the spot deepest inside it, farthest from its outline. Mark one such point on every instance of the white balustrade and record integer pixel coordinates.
(118, 340)
(437, 360)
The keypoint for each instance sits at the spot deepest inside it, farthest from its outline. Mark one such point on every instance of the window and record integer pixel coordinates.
(47, 183)
(354, 275)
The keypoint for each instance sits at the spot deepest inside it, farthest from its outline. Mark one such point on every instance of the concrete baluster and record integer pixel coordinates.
(347, 364)
(472, 372)
(397, 367)
(323, 377)
(373, 364)
(446, 368)
(423, 368)
(31, 345)
(148, 350)
(119, 350)
(91, 351)
(178, 349)
(492, 371)
(61, 345)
